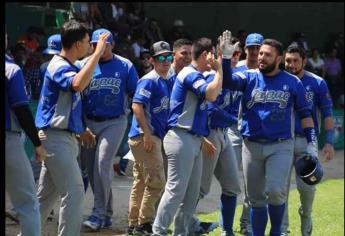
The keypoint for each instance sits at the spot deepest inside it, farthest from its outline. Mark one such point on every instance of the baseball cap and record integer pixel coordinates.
(254, 39)
(160, 48)
(97, 33)
(54, 44)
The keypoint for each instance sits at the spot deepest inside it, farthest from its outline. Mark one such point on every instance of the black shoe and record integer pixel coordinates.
(144, 229)
(130, 230)
(206, 227)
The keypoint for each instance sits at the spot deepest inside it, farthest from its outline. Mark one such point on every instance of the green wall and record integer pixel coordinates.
(273, 20)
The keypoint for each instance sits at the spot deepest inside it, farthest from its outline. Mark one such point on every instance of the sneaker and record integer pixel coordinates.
(107, 223)
(285, 233)
(93, 222)
(206, 227)
(118, 170)
(144, 229)
(130, 230)
(224, 233)
(246, 231)
(306, 223)
(11, 214)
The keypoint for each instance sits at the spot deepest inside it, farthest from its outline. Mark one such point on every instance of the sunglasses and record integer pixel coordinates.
(162, 58)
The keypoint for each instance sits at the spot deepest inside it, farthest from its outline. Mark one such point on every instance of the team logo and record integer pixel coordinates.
(106, 83)
(269, 96)
(309, 96)
(226, 100)
(163, 106)
(145, 93)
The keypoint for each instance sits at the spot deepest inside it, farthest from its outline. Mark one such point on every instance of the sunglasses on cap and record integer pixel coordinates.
(162, 58)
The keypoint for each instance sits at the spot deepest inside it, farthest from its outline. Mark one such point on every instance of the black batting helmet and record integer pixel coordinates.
(309, 169)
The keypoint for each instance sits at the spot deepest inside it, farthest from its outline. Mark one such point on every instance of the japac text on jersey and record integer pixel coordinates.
(107, 94)
(269, 103)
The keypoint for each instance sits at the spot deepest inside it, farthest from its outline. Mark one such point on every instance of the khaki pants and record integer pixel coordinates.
(149, 181)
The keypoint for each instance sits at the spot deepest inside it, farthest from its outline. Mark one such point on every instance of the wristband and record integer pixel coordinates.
(309, 134)
(329, 136)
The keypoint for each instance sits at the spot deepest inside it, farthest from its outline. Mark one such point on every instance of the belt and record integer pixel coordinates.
(299, 135)
(101, 118)
(224, 130)
(262, 140)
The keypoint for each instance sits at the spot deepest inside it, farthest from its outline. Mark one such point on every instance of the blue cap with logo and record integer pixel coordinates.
(254, 39)
(54, 44)
(97, 33)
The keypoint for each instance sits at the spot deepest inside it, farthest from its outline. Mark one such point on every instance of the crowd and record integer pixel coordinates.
(87, 87)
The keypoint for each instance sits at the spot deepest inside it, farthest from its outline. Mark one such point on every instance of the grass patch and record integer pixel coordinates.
(328, 211)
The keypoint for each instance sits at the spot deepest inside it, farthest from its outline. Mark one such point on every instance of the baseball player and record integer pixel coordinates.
(252, 46)
(219, 156)
(150, 108)
(105, 107)
(269, 99)
(59, 118)
(20, 183)
(182, 49)
(318, 95)
(187, 126)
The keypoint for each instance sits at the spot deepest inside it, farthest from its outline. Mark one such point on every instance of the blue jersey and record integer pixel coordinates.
(112, 83)
(269, 103)
(59, 106)
(153, 93)
(188, 107)
(16, 94)
(236, 96)
(219, 116)
(318, 95)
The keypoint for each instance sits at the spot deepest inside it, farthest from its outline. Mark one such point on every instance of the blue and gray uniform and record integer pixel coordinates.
(318, 95)
(268, 106)
(105, 107)
(235, 137)
(187, 124)
(59, 118)
(20, 182)
(154, 94)
(224, 164)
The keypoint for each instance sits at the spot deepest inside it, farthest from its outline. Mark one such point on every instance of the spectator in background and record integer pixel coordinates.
(20, 54)
(145, 65)
(32, 38)
(237, 54)
(138, 43)
(178, 31)
(300, 40)
(333, 72)
(316, 64)
(153, 32)
(242, 35)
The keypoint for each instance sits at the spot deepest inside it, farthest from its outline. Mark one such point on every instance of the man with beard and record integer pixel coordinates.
(318, 94)
(270, 98)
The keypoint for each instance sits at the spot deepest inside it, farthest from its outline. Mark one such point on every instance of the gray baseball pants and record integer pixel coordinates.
(266, 170)
(61, 177)
(236, 139)
(306, 192)
(223, 165)
(181, 192)
(109, 135)
(20, 185)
